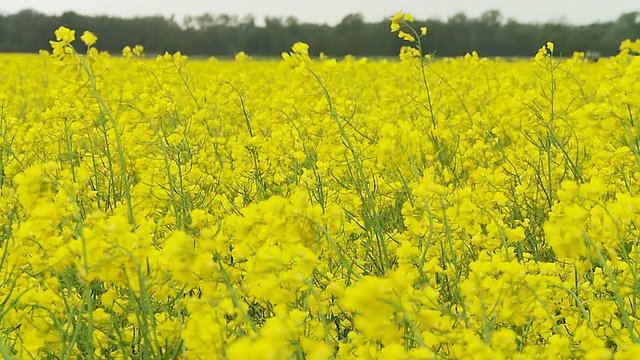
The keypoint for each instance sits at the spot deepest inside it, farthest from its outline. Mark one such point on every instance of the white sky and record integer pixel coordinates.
(332, 11)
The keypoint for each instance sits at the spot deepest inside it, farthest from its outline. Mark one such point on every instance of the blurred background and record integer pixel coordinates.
(336, 27)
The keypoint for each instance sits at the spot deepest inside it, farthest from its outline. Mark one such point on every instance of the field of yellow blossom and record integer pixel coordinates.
(314, 209)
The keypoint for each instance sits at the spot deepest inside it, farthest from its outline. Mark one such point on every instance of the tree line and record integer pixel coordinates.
(221, 35)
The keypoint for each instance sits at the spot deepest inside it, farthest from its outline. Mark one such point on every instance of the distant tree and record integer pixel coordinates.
(351, 23)
(204, 21)
(223, 35)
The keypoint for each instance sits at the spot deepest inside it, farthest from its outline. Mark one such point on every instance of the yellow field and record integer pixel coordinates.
(414, 209)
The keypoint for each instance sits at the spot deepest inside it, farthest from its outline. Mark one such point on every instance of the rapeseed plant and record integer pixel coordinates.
(419, 209)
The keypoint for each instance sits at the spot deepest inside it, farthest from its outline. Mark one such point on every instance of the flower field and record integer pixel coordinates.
(426, 208)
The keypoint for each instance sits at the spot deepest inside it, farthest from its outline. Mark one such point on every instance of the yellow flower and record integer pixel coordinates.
(397, 17)
(395, 21)
(301, 48)
(127, 52)
(89, 38)
(550, 46)
(406, 36)
(242, 56)
(298, 58)
(138, 50)
(58, 48)
(65, 34)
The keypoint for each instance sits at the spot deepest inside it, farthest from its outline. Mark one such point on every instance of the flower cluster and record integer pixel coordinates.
(413, 209)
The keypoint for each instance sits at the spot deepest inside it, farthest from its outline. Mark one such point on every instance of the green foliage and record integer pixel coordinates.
(490, 34)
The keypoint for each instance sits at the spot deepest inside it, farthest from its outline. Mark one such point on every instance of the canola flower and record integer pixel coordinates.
(419, 209)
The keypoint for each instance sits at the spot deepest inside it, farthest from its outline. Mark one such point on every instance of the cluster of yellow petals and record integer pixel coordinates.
(204, 209)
